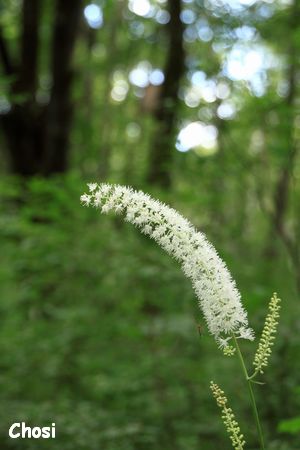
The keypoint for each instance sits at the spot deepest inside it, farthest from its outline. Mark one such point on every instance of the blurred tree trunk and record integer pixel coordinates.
(37, 134)
(281, 195)
(166, 110)
(59, 110)
(21, 125)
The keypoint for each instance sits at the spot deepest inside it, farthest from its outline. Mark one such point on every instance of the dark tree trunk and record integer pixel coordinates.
(28, 73)
(37, 135)
(166, 110)
(59, 111)
(20, 124)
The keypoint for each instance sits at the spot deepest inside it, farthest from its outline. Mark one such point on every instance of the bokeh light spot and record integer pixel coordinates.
(197, 134)
(93, 15)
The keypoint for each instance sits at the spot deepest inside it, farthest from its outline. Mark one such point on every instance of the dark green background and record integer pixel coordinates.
(98, 329)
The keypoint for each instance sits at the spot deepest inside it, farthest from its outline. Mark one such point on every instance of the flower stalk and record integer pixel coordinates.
(215, 289)
(251, 394)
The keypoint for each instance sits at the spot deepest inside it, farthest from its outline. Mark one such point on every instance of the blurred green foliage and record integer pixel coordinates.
(99, 330)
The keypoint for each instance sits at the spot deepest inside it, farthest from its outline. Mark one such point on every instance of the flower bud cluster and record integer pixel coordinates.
(266, 342)
(232, 427)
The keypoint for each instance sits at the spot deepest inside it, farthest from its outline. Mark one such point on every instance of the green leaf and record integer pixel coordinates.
(291, 426)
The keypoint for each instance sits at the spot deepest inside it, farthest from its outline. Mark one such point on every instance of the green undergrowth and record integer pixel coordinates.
(99, 330)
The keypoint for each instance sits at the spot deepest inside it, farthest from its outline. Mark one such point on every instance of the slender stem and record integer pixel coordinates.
(253, 375)
(252, 398)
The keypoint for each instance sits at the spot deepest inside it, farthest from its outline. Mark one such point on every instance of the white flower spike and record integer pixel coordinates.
(216, 291)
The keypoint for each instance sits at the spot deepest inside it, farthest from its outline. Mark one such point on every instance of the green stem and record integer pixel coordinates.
(253, 375)
(252, 398)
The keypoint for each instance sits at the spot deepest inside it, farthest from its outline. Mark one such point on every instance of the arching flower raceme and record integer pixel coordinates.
(216, 291)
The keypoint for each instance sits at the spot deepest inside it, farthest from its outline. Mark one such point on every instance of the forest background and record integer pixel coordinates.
(197, 103)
